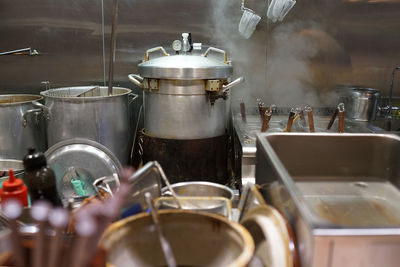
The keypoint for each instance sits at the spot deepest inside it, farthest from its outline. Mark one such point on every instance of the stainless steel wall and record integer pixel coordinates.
(319, 45)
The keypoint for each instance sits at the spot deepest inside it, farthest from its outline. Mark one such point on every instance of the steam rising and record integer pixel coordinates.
(277, 61)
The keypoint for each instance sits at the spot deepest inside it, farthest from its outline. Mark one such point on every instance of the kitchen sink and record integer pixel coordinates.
(245, 135)
(341, 193)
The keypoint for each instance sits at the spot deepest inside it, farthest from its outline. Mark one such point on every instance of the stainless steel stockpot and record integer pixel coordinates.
(101, 118)
(21, 126)
(184, 95)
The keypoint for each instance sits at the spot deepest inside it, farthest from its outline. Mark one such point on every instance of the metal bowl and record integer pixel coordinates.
(200, 189)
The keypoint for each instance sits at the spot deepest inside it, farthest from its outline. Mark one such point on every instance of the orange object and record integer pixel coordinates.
(14, 188)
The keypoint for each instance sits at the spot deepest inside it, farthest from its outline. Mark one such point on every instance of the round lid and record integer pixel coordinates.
(80, 160)
(185, 67)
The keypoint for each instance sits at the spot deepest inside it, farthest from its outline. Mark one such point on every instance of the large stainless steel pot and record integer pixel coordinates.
(20, 126)
(101, 118)
(184, 94)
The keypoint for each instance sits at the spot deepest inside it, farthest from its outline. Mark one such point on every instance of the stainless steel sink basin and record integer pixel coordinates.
(341, 192)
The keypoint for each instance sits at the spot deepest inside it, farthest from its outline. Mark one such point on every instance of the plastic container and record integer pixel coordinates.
(14, 188)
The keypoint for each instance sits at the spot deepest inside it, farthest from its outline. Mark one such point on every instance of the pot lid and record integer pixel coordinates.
(77, 163)
(187, 67)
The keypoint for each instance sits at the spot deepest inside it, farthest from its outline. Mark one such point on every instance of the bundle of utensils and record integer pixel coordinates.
(61, 237)
(294, 115)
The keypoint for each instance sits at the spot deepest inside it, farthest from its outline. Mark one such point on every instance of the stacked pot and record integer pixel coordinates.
(103, 118)
(21, 125)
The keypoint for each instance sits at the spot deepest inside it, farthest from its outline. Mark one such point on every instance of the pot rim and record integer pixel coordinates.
(241, 260)
(85, 98)
(211, 184)
(38, 98)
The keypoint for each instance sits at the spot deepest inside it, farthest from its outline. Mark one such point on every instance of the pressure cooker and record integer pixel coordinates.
(184, 94)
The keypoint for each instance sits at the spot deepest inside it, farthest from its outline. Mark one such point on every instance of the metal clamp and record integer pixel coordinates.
(218, 51)
(226, 87)
(46, 111)
(136, 79)
(147, 57)
(37, 111)
(213, 85)
(132, 97)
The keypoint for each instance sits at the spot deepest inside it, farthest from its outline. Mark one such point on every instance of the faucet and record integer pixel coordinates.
(389, 110)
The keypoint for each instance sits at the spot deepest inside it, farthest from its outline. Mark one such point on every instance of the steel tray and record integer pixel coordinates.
(340, 192)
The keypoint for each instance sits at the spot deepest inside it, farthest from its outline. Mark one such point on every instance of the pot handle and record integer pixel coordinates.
(218, 51)
(147, 57)
(46, 111)
(132, 97)
(37, 111)
(228, 86)
(136, 79)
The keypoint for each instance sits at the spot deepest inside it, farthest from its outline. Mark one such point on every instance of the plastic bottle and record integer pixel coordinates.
(14, 188)
(40, 178)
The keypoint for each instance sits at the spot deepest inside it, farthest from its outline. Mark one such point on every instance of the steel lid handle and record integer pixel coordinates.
(218, 51)
(147, 57)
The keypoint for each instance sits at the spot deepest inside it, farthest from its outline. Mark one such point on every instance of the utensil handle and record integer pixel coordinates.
(46, 111)
(136, 79)
(218, 51)
(228, 86)
(154, 49)
(132, 97)
(25, 115)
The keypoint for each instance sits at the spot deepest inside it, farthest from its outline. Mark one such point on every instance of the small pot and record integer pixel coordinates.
(360, 103)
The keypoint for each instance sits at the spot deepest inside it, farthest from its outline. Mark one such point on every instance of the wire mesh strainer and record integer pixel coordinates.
(248, 22)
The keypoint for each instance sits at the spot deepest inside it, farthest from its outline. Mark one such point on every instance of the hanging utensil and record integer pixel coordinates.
(248, 22)
(112, 47)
